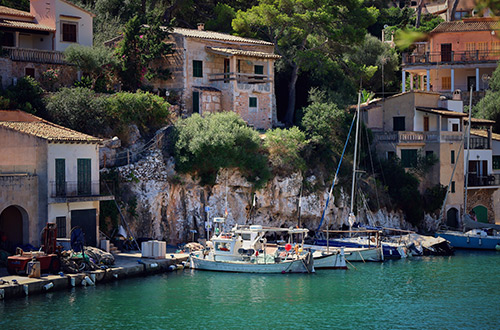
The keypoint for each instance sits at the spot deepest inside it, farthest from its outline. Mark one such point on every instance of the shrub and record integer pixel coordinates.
(284, 147)
(79, 109)
(222, 140)
(26, 95)
(148, 111)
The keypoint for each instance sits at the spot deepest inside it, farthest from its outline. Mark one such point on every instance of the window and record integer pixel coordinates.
(68, 31)
(391, 155)
(198, 69)
(482, 47)
(252, 102)
(239, 65)
(259, 69)
(453, 156)
(196, 102)
(454, 127)
(446, 83)
(470, 47)
(60, 177)
(409, 157)
(496, 162)
(61, 226)
(84, 176)
(495, 47)
(398, 124)
(452, 187)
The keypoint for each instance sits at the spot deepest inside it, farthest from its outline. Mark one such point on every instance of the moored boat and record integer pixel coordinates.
(245, 249)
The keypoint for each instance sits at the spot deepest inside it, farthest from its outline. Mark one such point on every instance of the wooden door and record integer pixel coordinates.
(445, 52)
(426, 124)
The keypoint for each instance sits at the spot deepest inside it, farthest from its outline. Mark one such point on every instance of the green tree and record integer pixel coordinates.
(26, 95)
(489, 106)
(285, 147)
(16, 4)
(299, 28)
(203, 145)
(95, 62)
(141, 47)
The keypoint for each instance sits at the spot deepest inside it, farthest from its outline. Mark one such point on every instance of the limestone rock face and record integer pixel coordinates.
(170, 205)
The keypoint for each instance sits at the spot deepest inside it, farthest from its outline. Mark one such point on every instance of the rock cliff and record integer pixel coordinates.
(170, 206)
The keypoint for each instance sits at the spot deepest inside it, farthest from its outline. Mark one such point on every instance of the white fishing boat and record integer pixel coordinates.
(245, 250)
(344, 254)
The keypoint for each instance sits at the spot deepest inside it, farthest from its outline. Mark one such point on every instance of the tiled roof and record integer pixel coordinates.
(202, 34)
(467, 26)
(483, 133)
(14, 12)
(25, 25)
(442, 112)
(479, 121)
(232, 51)
(34, 126)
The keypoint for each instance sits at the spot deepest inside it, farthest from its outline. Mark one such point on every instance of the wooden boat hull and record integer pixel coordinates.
(329, 260)
(302, 265)
(364, 254)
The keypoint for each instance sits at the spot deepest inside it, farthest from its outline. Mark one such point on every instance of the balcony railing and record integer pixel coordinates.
(412, 137)
(241, 78)
(74, 189)
(451, 57)
(478, 143)
(34, 55)
(483, 180)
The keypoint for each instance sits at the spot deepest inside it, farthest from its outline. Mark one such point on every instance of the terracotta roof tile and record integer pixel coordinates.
(240, 52)
(25, 25)
(484, 134)
(28, 124)
(202, 34)
(442, 112)
(14, 12)
(466, 26)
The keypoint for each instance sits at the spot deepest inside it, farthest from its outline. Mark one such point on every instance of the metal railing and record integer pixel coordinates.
(74, 189)
(451, 57)
(478, 143)
(34, 55)
(241, 78)
(484, 180)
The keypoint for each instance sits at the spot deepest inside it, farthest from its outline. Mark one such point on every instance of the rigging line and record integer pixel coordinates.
(373, 167)
(336, 174)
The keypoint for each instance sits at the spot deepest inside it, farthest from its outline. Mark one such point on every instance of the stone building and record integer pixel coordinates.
(34, 41)
(48, 173)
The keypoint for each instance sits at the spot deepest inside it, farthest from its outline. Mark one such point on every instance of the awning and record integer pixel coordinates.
(240, 52)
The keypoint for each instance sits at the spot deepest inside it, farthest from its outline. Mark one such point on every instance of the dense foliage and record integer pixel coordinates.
(26, 95)
(204, 145)
(285, 147)
(489, 106)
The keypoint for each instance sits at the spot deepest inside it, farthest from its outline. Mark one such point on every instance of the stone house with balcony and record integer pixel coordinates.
(213, 72)
(48, 173)
(34, 41)
(425, 123)
(458, 55)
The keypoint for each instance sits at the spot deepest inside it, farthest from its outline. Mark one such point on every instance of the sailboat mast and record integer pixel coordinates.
(468, 154)
(355, 160)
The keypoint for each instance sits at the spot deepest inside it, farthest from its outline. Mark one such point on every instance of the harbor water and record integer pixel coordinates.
(459, 292)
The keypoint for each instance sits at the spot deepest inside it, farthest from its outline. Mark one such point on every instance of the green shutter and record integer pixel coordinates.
(84, 176)
(60, 177)
(453, 156)
(259, 69)
(496, 162)
(409, 157)
(196, 102)
(252, 102)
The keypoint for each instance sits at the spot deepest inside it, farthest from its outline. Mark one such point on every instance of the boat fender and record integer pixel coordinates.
(468, 239)
(497, 247)
(73, 282)
(48, 286)
(154, 265)
(26, 289)
(84, 283)
(2, 293)
(171, 267)
(115, 275)
(480, 241)
(92, 277)
(179, 266)
(88, 280)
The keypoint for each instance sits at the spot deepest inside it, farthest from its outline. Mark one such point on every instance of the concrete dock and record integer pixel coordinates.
(126, 265)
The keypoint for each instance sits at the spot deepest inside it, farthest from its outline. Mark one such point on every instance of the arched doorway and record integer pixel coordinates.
(452, 218)
(12, 228)
(481, 213)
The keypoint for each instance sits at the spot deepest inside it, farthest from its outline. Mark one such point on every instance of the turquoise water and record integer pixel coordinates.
(460, 292)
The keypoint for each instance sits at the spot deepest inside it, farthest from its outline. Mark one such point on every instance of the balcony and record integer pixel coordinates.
(453, 57)
(74, 191)
(478, 143)
(34, 55)
(240, 78)
(417, 137)
(483, 180)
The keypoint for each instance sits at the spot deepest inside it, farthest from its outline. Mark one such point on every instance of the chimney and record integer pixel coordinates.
(201, 26)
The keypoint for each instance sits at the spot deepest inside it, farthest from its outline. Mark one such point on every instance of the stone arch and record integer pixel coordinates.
(14, 227)
(481, 213)
(452, 217)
